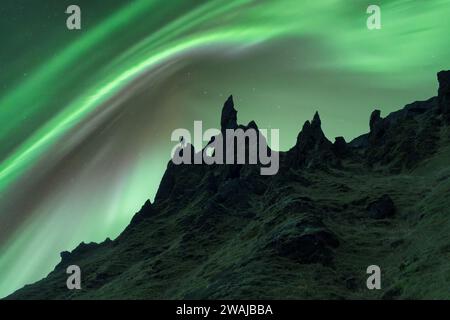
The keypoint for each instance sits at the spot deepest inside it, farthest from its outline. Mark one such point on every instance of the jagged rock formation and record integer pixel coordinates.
(310, 231)
(403, 138)
(444, 94)
(340, 147)
(312, 149)
(229, 115)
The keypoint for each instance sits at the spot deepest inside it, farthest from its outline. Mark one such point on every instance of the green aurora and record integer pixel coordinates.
(86, 116)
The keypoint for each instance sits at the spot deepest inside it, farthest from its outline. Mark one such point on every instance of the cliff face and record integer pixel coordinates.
(310, 231)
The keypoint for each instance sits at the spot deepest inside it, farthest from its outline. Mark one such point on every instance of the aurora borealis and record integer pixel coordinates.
(86, 115)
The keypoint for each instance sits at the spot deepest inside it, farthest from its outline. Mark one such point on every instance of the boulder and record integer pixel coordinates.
(381, 208)
(306, 240)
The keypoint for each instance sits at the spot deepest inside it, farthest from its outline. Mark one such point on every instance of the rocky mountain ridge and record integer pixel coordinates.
(310, 231)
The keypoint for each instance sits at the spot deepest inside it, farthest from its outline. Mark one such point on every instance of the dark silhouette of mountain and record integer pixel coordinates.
(310, 231)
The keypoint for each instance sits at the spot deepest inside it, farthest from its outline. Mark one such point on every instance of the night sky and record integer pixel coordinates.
(86, 115)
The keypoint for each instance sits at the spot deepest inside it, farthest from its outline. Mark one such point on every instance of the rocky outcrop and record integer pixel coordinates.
(305, 240)
(381, 208)
(146, 211)
(229, 115)
(312, 149)
(444, 94)
(167, 183)
(403, 139)
(340, 147)
(377, 127)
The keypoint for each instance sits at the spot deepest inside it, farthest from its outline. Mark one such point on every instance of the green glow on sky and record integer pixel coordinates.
(68, 128)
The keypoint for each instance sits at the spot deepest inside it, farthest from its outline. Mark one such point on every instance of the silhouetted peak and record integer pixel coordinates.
(378, 128)
(229, 101)
(147, 210)
(444, 93)
(229, 115)
(339, 141)
(312, 149)
(444, 81)
(375, 117)
(316, 122)
(306, 126)
(340, 146)
(147, 205)
(311, 133)
(252, 124)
